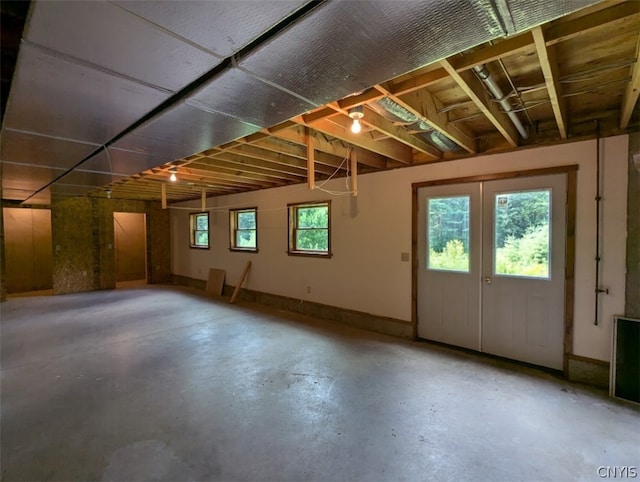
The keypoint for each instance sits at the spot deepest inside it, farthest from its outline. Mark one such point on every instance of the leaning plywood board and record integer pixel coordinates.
(215, 282)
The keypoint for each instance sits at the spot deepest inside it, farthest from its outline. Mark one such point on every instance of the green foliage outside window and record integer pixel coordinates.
(311, 231)
(522, 233)
(245, 229)
(200, 230)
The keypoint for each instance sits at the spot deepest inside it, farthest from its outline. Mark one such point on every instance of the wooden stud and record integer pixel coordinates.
(311, 173)
(163, 195)
(203, 200)
(354, 173)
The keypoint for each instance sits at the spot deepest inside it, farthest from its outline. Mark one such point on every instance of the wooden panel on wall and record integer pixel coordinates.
(130, 246)
(83, 240)
(28, 249)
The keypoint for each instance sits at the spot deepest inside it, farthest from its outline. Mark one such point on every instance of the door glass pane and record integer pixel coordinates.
(521, 246)
(448, 233)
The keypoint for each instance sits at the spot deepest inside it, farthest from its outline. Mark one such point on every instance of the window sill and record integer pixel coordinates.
(310, 254)
(244, 250)
(193, 246)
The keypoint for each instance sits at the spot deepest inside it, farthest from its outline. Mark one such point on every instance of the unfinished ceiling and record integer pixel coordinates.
(107, 97)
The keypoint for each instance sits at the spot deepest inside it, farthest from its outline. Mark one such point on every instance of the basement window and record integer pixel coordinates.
(243, 229)
(199, 227)
(310, 229)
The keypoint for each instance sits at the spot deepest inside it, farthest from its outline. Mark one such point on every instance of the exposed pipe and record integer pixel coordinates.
(496, 91)
(598, 290)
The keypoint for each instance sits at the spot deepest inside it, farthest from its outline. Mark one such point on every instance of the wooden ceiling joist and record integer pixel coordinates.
(563, 30)
(280, 162)
(470, 84)
(425, 106)
(295, 133)
(386, 127)
(323, 159)
(549, 65)
(387, 148)
(630, 97)
(233, 163)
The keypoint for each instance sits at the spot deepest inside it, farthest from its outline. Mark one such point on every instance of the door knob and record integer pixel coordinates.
(487, 280)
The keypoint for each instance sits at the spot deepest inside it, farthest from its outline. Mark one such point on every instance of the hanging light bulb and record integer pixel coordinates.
(356, 113)
(173, 177)
(356, 127)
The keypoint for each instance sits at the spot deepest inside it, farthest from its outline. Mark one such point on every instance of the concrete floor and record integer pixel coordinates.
(160, 383)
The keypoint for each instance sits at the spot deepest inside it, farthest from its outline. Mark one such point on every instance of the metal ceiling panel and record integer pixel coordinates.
(89, 179)
(28, 177)
(41, 150)
(15, 194)
(56, 97)
(119, 162)
(345, 47)
(104, 34)
(42, 198)
(59, 190)
(243, 97)
(222, 27)
(180, 132)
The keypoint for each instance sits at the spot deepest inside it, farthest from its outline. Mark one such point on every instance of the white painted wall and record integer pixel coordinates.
(370, 231)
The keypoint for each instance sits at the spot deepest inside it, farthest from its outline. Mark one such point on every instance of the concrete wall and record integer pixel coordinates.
(632, 308)
(27, 249)
(130, 245)
(83, 241)
(370, 231)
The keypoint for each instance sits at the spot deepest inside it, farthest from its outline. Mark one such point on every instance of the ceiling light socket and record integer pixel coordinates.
(356, 112)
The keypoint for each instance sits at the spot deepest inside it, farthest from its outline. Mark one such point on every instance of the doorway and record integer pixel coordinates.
(491, 266)
(130, 236)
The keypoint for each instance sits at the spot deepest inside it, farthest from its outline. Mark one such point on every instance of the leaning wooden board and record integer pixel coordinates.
(215, 282)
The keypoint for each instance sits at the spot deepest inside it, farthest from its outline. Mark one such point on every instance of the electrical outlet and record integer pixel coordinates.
(404, 257)
(308, 289)
(84, 273)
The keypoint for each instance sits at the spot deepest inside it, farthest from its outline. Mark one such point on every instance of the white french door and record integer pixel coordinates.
(491, 258)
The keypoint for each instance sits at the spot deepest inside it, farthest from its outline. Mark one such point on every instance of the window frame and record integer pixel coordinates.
(292, 221)
(193, 230)
(233, 229)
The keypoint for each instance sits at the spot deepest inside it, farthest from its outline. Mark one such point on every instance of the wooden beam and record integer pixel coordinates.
(237, 161)
(325, 163)
(425, 106)
(560, 30)
(311, 173)
(233, 164)
(375, 121)
(549, 64)
(354, 173)
(254, 152)
(296, 135)
(387, 148)
(511, 46)
(474, 89)
(631, 92)
(231, 173)
(416, 83)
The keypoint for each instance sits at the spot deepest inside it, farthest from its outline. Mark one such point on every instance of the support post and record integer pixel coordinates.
(311, 175)
(354, 173)
(163, 195)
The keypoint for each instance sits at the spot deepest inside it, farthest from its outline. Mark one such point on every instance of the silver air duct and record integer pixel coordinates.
(496, 91)
(396, 113)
